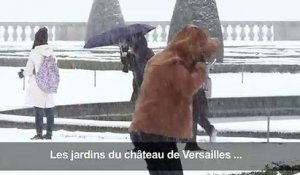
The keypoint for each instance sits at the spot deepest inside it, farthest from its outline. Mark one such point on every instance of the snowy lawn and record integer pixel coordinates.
(236, 52)
(77, 86)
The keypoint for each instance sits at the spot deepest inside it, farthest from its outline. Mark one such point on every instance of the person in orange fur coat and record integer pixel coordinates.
(163, 111)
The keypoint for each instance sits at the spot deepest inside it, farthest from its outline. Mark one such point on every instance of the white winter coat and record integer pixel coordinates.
(34, 95)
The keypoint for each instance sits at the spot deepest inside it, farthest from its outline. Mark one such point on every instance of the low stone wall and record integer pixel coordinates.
(114, 65)
(66, 64)
(257, 68)
(27, 125)
(82, 110)
(255, 106)
(219, 107)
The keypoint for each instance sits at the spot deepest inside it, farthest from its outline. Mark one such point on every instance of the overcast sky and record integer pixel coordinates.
(144, 10)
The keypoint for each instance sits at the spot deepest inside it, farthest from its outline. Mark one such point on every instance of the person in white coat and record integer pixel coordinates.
(43, 102)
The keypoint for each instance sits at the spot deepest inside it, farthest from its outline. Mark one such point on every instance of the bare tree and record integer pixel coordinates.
(203, 13)
(104, 15)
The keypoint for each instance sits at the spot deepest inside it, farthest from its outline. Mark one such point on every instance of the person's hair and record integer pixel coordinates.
(193, 42)
(41, 37)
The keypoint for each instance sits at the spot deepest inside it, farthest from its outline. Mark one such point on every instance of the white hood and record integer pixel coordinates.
(44, 50)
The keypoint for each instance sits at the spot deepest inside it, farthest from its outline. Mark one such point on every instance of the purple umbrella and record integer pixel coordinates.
(117, 35)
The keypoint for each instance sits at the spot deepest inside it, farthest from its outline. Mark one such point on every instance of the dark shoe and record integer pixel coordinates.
(47, 137)
(192, 146)
(37, 137)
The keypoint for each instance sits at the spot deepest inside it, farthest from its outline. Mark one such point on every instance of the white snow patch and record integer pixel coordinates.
(77, 86)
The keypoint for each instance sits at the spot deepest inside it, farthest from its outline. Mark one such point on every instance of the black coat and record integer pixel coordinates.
(137, 66)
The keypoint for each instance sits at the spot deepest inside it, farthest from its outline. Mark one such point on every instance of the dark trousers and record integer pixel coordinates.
(135, 92)
(200, 114)
(155, 143)
(39, 114)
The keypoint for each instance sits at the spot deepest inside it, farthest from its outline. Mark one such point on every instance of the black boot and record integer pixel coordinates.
(193, 146)
(37, 137)
(47, 136)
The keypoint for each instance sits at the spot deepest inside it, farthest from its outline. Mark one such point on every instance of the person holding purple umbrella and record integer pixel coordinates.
(135, 60)
(133, 47)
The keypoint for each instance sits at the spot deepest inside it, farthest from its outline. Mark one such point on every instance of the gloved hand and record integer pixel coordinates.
(21, 73)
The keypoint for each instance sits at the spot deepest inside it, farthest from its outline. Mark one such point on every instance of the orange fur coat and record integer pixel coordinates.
(171, 78)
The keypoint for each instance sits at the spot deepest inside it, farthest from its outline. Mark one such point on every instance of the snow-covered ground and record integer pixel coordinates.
(77, 86)
(236, 52)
